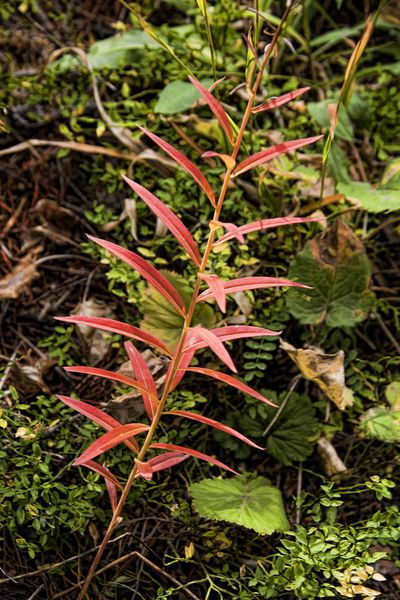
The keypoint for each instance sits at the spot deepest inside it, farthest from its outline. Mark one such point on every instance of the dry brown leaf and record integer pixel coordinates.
(331, 461)
(28, 379)
(326, 370)
(129, 407)
(96, 341)
(17, 281)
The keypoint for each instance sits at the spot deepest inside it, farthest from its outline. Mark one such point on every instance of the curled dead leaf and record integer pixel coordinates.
(129, 407)
(331, 461)
(326, 370)
(18, 280)
(96, 341)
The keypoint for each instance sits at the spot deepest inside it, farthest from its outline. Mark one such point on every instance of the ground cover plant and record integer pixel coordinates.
(213, 112)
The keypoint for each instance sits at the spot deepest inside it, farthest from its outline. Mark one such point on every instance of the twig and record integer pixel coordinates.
(388, 332)
(278, 413)
(77, 146)
(61, 563)
(35, 593)
(9, 366)
(298, 491)
(148, 562)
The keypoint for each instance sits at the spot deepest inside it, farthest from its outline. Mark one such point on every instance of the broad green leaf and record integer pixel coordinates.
(116, 51)
(159, 316)
(374, 200)
(319, 111)
(338, 163)
(178, 96)
(252, 503)
(381, 423)
(291, 439)
(337, 268)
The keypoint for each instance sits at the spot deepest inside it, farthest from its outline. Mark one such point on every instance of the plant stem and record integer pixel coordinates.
(188, 319)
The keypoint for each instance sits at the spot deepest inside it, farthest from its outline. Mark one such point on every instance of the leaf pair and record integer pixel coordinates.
(243, 284)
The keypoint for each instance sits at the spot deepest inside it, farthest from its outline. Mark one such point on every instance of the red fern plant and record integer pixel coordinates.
(192, 338)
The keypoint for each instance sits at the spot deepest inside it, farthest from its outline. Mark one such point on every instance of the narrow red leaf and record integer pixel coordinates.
(143, 470)
(158, 463)
(244, 284)
(278, 101)
(103, 471)
(145, 378)
(166, 460)
(112, 493)
(184, 162)
(97, 416)
(146, 270)
(228, 161)
(214, 343)
(217, 286)
(112, 375)
(186, 359)
(270, 153)
(117, 327)
(195, 453)
(170, 220)
(233, 230)
(239, 232)
(110, 439)
(236, 383)
(216, 109)
(232, 332)
(212, 423)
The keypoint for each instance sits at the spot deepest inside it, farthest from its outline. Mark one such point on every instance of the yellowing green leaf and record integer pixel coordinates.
(336, 266)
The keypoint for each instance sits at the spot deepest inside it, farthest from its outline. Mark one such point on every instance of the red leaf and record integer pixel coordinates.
(111, 439)
(184, 362)
(214, 343)
(244, 284)
(270, 153)
(216, 108)
(103, 471)
(231, 381)
(112, 493)
(239, 232)
(228, 161)
(233, 332)
(217, 286)
(194, 453)
(109, 375)
(145, 378)
(166, 460)
(159, 463)
(278, 101)
(117, 327)
(97, 416)
(146, 270)
(184, 162)
(212, 423)
(234, 232)
(143, 470)
(170, 220)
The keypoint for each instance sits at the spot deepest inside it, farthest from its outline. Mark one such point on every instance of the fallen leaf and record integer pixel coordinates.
(332, 463)
(326, 370)
(129, 407)
(17, 281)
(56, 217)
(28, 379)
(96, 341)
